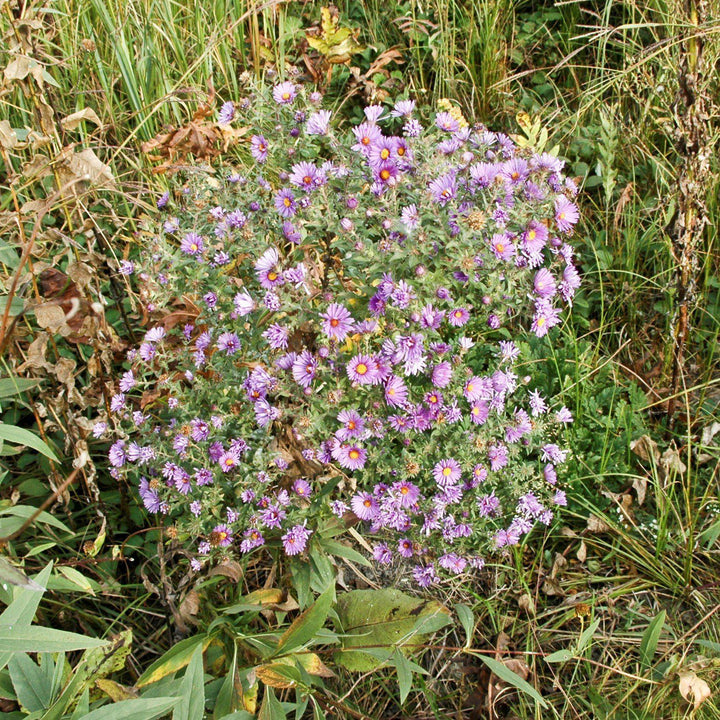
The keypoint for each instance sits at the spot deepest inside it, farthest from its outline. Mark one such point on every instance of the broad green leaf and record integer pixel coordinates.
(650, 639)
(140, 709)
(228, 697)
(32, 685)
(176, 658)
(21, 436)
(83, 706)
(467, 620)
(239, 715)
(21, 611)
(504, 673)
(376, 619)
(41, 639)
(26, 511)
(271, 709)
(11, 386)
(306, 625)
(192, 690)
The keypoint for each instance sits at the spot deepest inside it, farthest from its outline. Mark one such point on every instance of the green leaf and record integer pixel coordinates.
(239, 715)
(271, 709)
(307, 624)
(225, 701)
(31, 684)
(140, 709)
(333, 547)
(176, 658)
(11, 386)
(42, 639)
(21, 611)
(16, 306)
(377, 619)
(650, 639)
(77, 578)
(21, 436)
(11, 575)
(586, 636)
(27, 511)
(559, 656)
(467, 620)
(504, 673)
(192, 690)
(404, 674)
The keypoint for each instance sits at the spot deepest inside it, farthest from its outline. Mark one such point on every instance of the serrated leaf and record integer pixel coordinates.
(650, 639)
(511, 678)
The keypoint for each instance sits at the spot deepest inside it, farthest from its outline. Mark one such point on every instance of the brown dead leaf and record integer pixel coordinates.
(526, 602)
(230, 569)
(86, 165)
(188, 610)
(50, 316)
(693, 689)
(640, 486)
(582, 552)
(671, 463)
(72, 121)
(8, 138)
(646, 448)
(36, 354)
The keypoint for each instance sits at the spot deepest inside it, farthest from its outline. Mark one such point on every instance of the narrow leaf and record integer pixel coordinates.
(307, 624)
(650, 639)
(19, 639)
(176, 658)
(504, 673)
(586, 636)
(192, 690)
(21, 436)
(404, 674)
(467, 620)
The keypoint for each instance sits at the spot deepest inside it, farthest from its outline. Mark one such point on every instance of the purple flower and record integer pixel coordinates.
(563, 415)
(447, 472)
(337, 321)
(498, 456)
(127, 267)
(405, 548)
(318, 123)
(353, 425)
(396, 392)
(382, 554)
(192, 244)
(458, 317)
(284, 93)
(425, 575)
(304, 368)
(366, 135)
(243, 303)
(277, 336)
(538, 406)
(267, 269)
(221, 536)
(479, 412)
(441, 374)
(227, 113)
(228, 461)
(350, 456)
(302, 487)
(285, 203)
(443, 189)
(406, 493)
(403, 108)
(252, 538)
(116, 454)
(229, 342)
(544, 283)
(305, 175)
(127, 381)
(295, 540)
(362, 369)
(566, 214)
(445, 121)
(452, 562)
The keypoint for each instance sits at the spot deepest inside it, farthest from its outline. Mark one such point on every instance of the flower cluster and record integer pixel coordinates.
(337, 333)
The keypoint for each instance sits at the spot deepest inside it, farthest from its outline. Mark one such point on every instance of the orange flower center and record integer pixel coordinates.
(354, 454)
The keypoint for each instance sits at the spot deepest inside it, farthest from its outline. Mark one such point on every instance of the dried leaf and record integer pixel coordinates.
(526, 602)
(36, 354)
(582, 552)
(694, 689)
(72, 121)
(640, 486)
(8, 138)
(230, 569)
(645, 448)
(189, 608)
(50, 316)
(86, 165)
(671, 463)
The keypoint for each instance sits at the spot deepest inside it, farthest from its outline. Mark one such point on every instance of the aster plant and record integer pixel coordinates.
(336, 335)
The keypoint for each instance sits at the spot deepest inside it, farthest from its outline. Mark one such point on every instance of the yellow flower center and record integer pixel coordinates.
(361, 369)
(446, 471)
(354, 454)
